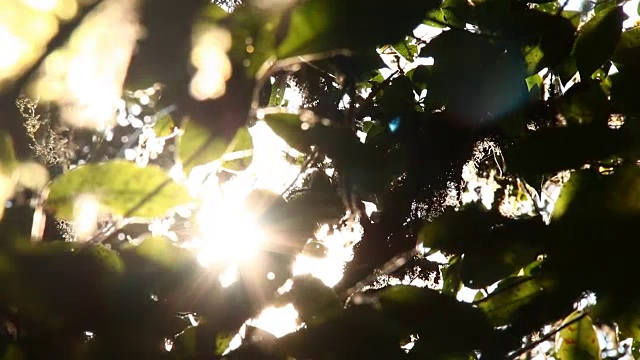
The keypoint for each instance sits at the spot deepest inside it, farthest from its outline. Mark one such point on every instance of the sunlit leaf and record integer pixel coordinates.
(406, 49)
(32, 175)
(162, 251)
(240, 154)
(532, 56)
(7, 166)
(511, 294)
(598, 39)
(119, 186)
(289, 128)
(164, 126)
(196, 146)
(589, 194)
(7, 154)
(579, 339)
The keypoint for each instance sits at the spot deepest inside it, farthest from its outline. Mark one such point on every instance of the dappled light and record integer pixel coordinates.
(81, 78)
(319, 179)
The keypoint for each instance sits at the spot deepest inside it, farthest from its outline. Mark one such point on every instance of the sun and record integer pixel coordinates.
(227, 232)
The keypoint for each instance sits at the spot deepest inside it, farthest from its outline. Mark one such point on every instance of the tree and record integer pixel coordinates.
(528, 93)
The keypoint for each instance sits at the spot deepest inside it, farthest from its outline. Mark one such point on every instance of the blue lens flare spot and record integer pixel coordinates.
(394, 124)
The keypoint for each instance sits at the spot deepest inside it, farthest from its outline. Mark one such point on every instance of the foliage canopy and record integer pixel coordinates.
(551, 91)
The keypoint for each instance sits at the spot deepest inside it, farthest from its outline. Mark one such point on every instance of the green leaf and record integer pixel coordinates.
(578, 340)
(628, 50)
(548, 38)
(502, 251)
(623, 94)
(289, 128)
(398, 98)
(185, 344)
(7, 154)
(13, 352)
(532, 57)
(584, 103)
(449, 325)
(548, 151)
(453, 13)
(7, 167)
(240, 155)
(196, 146)
(162, 251)
(317, 26)
(406, 50)
(451, 277)
(420, 77)
(277, 90)
(533, 81)
(314, 301)
(598, 39)
(164, 126)
(119, 186)
(453, 231)
(510, 295)
(591, 195)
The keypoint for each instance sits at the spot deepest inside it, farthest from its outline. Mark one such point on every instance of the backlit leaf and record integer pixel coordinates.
(162, 251)
(240, 154)
(196, 146)
(7, 154)
(509, 296)
(164, 126)
(289, 128)
(119, 186)
(406, 49)
(578, 340)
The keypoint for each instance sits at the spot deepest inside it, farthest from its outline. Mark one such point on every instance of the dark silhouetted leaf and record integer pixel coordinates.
(585, 103)
(628, 49)
(318, 26)
(313, 300)
(448, 324)
(598, 39)
(548, 151)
